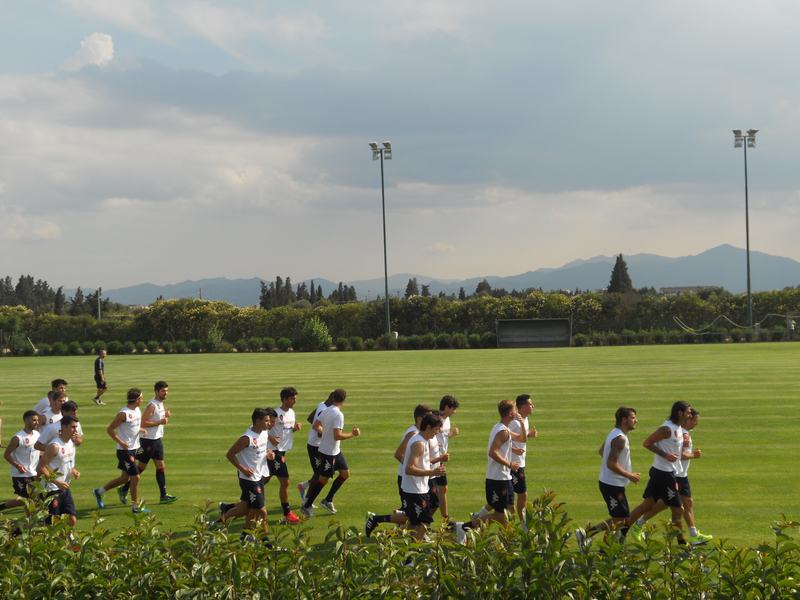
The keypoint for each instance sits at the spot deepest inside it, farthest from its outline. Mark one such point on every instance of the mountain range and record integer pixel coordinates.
(723, 266)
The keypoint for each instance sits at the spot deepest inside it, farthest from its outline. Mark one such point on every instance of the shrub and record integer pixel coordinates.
(443, 341)
(195, 346)
(268, 344)
(59, 349)
(317, 335)
(736, 335)
(225, 347)
(777, 333)
(254, 344)
(674, 337)
(26, 349)
(180, 347)
(613, 339)
(341, 344)
(459, 341)
(87, 347)
(241, 345)
(580, 340)
(166, 347)
(387, 342)
(300, 344)
(474, 341)
(140, 347)
(356, 343)
(414, 342)
(152, 347)
(74, 349)
(628, 337)
(128, 347)
(489, 339)
(428, 342)
(369, 344)
(284, 344)
(114, 347)
(45, 350)
(99, 346)
(214, 338)
(659, 337)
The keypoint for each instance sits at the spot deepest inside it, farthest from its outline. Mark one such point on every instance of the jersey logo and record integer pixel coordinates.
(27, 441)
(281, 417)
(255, 442)
(63, 450)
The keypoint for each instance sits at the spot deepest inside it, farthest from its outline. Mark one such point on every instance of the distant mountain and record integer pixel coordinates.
(721, 266)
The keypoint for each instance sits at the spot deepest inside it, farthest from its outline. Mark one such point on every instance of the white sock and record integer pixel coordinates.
(641, 522)
(693, 531)
(103, 491)
(483, 512)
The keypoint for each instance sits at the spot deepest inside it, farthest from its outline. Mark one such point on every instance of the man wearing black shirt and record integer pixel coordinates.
(100, 377)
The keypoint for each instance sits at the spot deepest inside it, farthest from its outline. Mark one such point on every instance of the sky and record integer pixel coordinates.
(158, 141)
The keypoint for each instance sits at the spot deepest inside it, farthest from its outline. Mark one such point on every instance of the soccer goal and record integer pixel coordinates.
(534, 333)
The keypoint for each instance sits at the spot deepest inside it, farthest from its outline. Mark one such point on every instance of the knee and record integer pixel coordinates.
(344, 475)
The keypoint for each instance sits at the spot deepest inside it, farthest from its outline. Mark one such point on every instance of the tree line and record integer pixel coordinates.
(39, 297)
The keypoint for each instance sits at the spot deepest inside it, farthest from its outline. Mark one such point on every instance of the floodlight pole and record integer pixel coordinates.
(375, 152)
(745, 141)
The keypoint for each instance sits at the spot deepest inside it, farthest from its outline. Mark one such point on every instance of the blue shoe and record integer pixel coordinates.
(98, 497)
(139, 510)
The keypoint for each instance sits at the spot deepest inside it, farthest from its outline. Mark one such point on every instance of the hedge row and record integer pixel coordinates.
(143, 561)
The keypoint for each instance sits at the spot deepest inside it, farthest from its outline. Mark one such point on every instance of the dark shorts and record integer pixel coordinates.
(313, 458)
(277, 466)
(328, 465)
(252, 493)
(616, 500)
(684, 487)
(101, 385)
(150, 449)
(417, 509)
(126, 461)
(441, 481)
(518, 481)
(23, 486)
(663, 486)
(499, 494)
(433, 494)
(61, 503)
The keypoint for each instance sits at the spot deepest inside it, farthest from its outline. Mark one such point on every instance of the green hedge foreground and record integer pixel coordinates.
(145, 562)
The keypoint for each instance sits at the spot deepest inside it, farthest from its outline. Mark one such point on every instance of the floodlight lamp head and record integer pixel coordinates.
(737, 132)
(751, 142)
(374, 145)
(737, 142)
(752, 132)
(389, 144)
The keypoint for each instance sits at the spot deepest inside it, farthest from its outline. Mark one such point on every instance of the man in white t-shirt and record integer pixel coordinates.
(329, 424)
(48, 433)
(281, 439)
(52, 413)
(615, 474)
(22, 455)
(59, 457)
(420, 410)
(125, 430)
(57, 385)
(312, 447)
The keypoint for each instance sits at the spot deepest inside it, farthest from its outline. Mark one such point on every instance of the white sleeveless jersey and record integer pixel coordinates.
(495, 470)
(283, 430)
(50, 432)
(413, 429)
(157, 432)
(331, 418)
(128, 430)
(682, 466)
(608, 476)
(517, 428)
(671, 445)
(443, 437)
(314, 438)
(42, 405)
(412, 484)
(435, 448)
(62, 462)
(254, 455)
(50, 417)
(25, 454)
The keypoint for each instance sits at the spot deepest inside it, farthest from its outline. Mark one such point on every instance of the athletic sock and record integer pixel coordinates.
(126, 487)
(693, 531)
(2, 505)
(285, 507)
(314, 491)
(624, 531)
(466, 525)
(335, 488)
(483, 512)
(382, 518)
(161, 479)
(104, 491)
(641, 522)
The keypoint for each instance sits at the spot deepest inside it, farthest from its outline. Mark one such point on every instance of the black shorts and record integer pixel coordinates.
(616, 500)
(277, 466)
(101, 385)
(441, 481)
(61, 503)
(327, 466)
(684, 487)
(126, 461)
(313, 458)
(150, 449)
(417, 509)
(518, 481)
(23, 486)
(433, 493)
(499, 494)
(252, 493)
(663, 486)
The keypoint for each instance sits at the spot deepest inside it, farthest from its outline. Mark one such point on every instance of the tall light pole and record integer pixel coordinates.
(746, 141)
(385, 152)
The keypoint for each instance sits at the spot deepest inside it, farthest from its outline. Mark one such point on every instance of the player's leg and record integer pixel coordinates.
(344, 475)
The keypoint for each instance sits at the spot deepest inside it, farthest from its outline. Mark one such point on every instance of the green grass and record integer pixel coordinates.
(746, 394)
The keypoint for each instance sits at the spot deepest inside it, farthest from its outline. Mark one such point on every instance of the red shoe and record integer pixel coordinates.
(291, 519)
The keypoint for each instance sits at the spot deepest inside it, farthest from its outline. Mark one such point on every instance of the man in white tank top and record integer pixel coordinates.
(447, 406)
(125, 430)
(23, 457)
(684, 488)
(312, 448)
(615, 474)
(57, 385)
(59, 457)
(420, 410)
(518, 479)
(666, 443)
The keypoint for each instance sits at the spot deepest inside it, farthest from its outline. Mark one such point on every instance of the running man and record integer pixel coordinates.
(520, 449)
(24, 459)
(447, 407)
(417, 470)
(57, 385)
(420, 410)
(150, 445)
(685, 489)
(616, 473)
(52, 413)
(48, 433)
(100, 377)
(125, 430)
(666, 443)
(59, 458)
(312, 447)
(499, 489)
(330, 424)
(280, 440)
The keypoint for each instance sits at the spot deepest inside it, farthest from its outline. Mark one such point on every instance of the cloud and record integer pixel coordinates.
(439, 248)
(18, 227)
(133, 15)
(96, 49)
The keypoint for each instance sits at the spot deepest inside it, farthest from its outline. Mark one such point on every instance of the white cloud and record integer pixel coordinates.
(96, 49)
(440, 248)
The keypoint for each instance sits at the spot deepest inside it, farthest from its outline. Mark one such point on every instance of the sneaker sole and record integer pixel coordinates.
(169, 501)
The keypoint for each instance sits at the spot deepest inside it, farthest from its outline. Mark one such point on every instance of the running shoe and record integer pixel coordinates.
(636, 532)
(328, 505)
(461, 533)
(308, 512)
(99, 402)
(580, 537)
(302, 487)
(98, 497)
(138, 509)
(700, 538)
(371, 524)
(167, 499)
(290, 519)
(223, 508)
(123, 494)
(409, 563)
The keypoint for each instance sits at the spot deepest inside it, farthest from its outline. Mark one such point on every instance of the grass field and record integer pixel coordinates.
(747, 395)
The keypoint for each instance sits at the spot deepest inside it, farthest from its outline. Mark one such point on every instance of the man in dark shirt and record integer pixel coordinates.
(100, 377)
